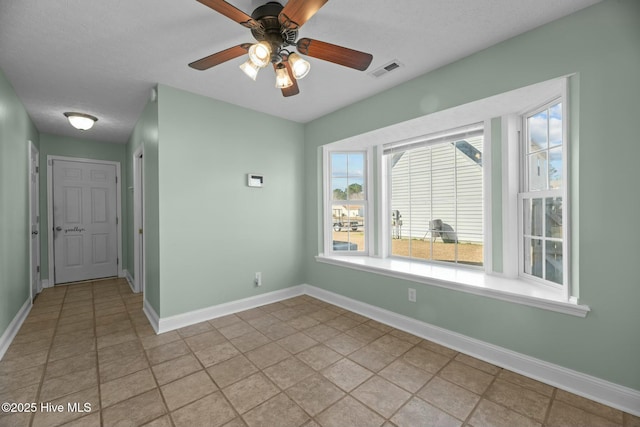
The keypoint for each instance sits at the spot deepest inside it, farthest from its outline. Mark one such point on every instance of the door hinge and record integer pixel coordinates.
(116, 179)
(38, 269)
(37, 169)
(117, 220)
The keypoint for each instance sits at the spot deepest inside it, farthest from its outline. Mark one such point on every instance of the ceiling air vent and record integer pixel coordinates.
(386, 68)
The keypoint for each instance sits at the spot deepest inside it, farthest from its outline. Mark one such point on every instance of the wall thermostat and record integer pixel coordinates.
(254, 180)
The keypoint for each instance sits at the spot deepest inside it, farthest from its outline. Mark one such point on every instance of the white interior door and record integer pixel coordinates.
(34, 209)
(84, 221)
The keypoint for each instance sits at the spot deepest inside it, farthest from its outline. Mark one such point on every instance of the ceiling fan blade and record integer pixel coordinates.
(220, 57)
(232, 13)
(334, 53)
(297, 12)
(293, 89)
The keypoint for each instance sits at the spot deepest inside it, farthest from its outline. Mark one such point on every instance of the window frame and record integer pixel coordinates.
(328, 202)
(431, 140)
(524, 192)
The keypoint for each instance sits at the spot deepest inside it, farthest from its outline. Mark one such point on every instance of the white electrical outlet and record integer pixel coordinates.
(258, 279)
(412, 295)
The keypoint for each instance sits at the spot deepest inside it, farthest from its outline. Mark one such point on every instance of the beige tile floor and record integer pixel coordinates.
(299, 362)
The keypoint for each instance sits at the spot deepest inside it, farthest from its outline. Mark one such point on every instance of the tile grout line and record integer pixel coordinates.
(46, 362)
(95, 333)
(193, 353)
(482, 396)
(415, 394)
(150, 367)
(552, 399)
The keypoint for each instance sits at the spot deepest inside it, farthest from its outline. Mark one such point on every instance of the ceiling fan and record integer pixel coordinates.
(276, 28)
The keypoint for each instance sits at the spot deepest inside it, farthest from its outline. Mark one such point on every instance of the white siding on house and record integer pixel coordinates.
(438, 182)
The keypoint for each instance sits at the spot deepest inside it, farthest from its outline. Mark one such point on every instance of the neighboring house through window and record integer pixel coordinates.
(541, 200)
(435, 190)
(348, 202)
(424, 194)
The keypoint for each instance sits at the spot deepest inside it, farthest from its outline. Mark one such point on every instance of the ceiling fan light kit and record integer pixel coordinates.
(282, 77)
(276, 28)
(260, 54)
(299, 66)
(81, 121)
(250, 69)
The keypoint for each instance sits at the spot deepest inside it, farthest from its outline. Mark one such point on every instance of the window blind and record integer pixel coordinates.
(451, 135)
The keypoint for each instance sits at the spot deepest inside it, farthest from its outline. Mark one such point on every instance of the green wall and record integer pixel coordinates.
(54, 145)
(601, 43)
(16, 129)
(145, 135)
(215, 232)
(207, 233)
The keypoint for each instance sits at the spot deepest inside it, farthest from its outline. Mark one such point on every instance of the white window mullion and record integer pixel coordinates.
(455, 197)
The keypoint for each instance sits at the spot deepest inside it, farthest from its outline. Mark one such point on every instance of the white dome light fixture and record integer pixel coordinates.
(81, 121)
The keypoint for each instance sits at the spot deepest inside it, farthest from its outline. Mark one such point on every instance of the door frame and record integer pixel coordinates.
(50, 245)
(138, 220)
(34, 250)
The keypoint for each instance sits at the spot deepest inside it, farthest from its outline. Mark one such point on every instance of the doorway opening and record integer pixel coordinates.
(138, 220)
(34, 215)
(84, 226)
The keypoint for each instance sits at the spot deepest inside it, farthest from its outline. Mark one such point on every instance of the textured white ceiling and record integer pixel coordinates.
(103, 57)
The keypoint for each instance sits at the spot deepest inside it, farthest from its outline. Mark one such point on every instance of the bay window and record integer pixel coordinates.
(473, 198)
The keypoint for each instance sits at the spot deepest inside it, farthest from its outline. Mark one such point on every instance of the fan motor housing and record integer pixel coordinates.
(273, 8)
(272, 31)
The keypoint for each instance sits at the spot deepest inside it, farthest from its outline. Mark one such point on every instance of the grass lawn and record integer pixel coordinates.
(468, 253)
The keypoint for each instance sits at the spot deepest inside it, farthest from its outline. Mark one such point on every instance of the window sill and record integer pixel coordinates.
(464, 280)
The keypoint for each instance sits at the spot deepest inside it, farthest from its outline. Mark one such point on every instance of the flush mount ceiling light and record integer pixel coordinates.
(276, 28)
(81, 121)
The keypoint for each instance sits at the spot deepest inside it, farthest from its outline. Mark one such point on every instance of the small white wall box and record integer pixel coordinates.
(255, 180)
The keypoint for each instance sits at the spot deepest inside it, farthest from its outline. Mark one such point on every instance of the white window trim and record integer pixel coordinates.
(385, 185)
(521, 191)
(507, 286)
(328, 202)
(463, 279)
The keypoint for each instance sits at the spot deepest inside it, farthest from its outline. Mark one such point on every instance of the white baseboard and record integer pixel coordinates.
(605, 392)
(151, 314)
(130, 280)
(170, 323)
(13, 328)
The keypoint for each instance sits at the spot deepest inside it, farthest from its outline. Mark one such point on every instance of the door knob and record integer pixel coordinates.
(58, 228)
(35, 233)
